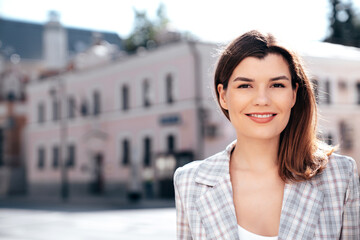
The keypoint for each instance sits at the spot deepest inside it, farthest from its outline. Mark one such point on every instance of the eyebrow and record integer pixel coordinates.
(244, 79)
(283, 77)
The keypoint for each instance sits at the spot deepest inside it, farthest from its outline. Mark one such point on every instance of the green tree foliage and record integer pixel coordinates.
(344, 24)
(145, 31)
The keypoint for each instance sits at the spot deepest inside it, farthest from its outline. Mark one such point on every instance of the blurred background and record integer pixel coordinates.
(101, 101)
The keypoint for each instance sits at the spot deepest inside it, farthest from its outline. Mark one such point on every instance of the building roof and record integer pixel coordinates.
(328, 50)
(26, 39)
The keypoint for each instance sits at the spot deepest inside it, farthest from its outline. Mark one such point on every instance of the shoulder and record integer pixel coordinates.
(341, 165)
(338, 172)
(189, 171)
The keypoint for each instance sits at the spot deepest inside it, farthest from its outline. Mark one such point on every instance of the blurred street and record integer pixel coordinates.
(89, 221)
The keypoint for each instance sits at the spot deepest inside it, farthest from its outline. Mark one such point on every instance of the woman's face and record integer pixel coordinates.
(259, 97)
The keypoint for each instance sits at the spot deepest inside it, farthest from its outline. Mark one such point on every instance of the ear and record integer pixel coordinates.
(222, 96)
(295, 94)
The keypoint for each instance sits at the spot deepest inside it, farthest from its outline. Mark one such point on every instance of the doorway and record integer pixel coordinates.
(97, 183)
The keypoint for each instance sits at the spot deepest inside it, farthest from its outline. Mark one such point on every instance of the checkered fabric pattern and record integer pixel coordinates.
(325, 207)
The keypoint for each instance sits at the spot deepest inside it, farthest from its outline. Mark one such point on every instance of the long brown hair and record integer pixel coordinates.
(301, 154)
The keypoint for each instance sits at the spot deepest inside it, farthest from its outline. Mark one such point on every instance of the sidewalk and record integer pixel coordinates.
(82, 203)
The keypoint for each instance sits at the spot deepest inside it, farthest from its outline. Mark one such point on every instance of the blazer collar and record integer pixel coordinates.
(215, 168)
(302, 202)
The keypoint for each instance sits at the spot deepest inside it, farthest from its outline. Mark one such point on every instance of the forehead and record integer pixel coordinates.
(271, 65)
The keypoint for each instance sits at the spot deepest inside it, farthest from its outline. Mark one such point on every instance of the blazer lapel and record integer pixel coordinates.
(215, 205)
(216, 210)
(300, 213)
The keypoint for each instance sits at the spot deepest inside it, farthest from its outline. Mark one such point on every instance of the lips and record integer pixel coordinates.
(261, 117)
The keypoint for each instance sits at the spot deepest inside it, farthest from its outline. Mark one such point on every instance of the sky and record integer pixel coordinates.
(210, 20)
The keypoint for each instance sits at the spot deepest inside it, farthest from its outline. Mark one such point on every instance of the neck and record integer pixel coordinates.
(258, 155)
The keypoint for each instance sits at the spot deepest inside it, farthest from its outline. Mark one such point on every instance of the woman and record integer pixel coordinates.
(277, 180)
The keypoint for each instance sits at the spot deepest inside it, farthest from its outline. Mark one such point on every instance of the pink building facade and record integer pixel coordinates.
(121, 117)
(124, 117)
(335, 70)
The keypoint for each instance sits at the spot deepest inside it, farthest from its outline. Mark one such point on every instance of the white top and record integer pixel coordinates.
(246, 235)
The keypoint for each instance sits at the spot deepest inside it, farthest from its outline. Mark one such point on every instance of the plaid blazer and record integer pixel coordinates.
(325, 207)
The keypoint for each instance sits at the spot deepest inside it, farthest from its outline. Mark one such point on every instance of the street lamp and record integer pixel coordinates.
(165, 165)
(164, 168)
(59, 94)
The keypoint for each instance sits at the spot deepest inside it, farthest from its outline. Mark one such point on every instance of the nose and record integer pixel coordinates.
(262, 97)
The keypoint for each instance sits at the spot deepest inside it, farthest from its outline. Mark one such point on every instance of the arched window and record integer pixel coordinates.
(125, 152)
(125, 97)
(147, 151)
(84, 108)
(71, 159)
(55, 110)
(97, 103)
(146, 93)
(41, 113)
(170, 143)
(71, 107)
(169, 83)
(56, 156)
(41, 157)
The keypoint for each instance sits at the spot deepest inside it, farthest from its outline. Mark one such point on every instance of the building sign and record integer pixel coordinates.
(170, 119)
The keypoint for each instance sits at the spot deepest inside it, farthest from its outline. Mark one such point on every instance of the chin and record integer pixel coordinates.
(262, 135)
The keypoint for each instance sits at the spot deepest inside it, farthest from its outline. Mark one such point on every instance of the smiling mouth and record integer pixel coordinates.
(267, 115)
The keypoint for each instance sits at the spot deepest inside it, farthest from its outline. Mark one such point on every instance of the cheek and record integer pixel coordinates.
(286, 100)
(236, 103)
(286, 107)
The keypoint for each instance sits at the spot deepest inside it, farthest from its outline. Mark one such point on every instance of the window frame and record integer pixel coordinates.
(41, 112)
(41, 157)
(71, 156)
(147, 151)
(125, 97)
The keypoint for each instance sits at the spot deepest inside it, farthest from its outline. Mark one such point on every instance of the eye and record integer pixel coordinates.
(278, 85)
(244, 86)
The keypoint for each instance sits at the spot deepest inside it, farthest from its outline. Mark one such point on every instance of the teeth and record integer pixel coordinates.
(261, 115)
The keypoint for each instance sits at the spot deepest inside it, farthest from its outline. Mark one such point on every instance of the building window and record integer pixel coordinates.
(211, 130)
(97, 103)
(1, 147)
(146, 93)
(84, 108)
(125, 152)
(170, 143)
(56, 110)
(327, 92)
(71, 107)
(346, 135)
(125, 97)
(71, 160)
(358, 92)
(41, 113)
(41, 157)
(11, 96)
(147, 152)
(56, 156)
(329, 139)
(316, 89)
(169, 88)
